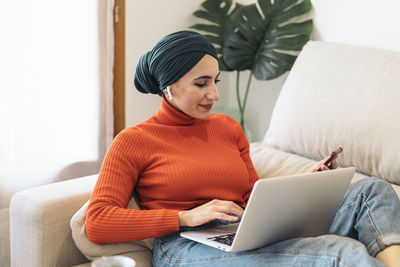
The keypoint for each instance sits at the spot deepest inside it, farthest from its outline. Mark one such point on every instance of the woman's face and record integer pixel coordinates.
(196, 91)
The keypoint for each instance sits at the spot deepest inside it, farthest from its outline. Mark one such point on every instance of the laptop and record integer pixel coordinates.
(281, 208)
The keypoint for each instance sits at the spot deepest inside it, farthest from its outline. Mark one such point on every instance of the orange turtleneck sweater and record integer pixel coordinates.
(173, 162)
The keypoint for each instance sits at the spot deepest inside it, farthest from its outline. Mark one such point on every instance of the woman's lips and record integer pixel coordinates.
(207, 107)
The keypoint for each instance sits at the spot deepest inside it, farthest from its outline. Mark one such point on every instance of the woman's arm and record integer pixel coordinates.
(108, 220)
(244, 148)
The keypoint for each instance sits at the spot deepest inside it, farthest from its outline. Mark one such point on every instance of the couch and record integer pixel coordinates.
(335, 95)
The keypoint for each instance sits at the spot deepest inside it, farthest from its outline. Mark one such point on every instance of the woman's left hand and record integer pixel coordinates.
(320, 164)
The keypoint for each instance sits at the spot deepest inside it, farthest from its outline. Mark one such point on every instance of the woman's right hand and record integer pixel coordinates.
(215, 209)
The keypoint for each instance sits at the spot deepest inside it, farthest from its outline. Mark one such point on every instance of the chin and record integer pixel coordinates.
(202, 116)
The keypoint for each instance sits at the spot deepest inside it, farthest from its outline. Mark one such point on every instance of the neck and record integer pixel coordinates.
(169, 115)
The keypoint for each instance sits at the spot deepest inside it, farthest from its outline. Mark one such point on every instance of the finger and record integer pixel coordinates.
(235, 209)
(318, 166)
(229, 210)
(324, 168)
(228, 207)
(226, 217)
(229, 204)
(334, 164)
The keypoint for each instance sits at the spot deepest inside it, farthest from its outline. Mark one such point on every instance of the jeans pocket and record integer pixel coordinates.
(168, 241)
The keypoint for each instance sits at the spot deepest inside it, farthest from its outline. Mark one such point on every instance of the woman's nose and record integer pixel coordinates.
(213, 94)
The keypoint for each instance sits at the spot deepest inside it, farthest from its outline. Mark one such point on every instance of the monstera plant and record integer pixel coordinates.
(263, 38)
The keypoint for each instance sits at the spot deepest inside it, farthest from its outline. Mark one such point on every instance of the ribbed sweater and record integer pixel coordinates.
(172, 162)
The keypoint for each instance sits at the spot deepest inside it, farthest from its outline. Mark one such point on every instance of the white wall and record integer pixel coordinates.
(361, 22)
(146, 23)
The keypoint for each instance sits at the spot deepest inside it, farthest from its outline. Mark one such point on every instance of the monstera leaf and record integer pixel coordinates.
(263, 38)
(263, 43)
(220, 14)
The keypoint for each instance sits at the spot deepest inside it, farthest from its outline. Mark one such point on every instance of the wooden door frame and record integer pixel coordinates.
(119, 66)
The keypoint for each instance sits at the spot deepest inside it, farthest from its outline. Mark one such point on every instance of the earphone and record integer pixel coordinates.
(169, 93)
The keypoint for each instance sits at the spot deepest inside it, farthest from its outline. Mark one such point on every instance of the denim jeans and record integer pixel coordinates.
(367, 221)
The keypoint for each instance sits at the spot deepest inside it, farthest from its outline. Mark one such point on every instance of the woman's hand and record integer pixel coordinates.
(320, 164)
(215, 209)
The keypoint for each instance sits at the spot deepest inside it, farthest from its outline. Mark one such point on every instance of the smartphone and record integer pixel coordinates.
(332, 156)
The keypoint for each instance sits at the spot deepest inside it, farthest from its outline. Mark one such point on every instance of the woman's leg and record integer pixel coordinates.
(370, 212)
(327, 250)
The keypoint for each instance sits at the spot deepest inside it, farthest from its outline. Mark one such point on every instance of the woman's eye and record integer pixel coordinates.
(201, 84)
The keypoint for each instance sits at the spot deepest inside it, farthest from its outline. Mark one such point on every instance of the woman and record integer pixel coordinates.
(191, 168)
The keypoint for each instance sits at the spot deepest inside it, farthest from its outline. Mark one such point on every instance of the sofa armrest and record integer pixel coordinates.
(40, 233)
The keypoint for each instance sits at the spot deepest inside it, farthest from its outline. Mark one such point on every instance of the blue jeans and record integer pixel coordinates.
(367, 221)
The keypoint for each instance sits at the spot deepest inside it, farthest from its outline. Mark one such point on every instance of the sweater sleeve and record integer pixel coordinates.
(107, 219)
(244, 148)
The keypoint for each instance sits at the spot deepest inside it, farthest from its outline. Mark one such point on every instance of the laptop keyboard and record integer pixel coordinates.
(224, 239)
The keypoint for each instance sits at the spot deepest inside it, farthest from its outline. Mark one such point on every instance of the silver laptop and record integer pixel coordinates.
(281, 208)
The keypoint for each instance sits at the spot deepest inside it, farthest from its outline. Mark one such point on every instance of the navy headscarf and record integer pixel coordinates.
(171, 58)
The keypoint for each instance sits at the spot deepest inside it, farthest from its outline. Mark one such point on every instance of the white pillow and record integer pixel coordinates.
(93, 251)
(270, 162)
(342, 95)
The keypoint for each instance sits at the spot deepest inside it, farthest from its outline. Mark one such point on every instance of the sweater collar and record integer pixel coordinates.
(169, 115)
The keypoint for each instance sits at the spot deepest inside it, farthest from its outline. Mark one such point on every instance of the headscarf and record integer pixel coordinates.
(171, 58)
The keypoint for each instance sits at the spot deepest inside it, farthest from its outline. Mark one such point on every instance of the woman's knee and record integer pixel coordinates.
(371, 184)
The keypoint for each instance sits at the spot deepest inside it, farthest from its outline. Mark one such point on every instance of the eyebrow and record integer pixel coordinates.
(206, 77)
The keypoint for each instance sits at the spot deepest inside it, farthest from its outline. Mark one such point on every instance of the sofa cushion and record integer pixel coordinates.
(141, 250)
(342, 95)
(270, 162)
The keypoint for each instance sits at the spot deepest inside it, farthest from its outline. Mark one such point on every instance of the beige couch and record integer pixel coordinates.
(336, 95)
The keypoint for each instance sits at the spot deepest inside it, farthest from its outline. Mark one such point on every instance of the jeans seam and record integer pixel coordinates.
(363, 196)
(371, 218)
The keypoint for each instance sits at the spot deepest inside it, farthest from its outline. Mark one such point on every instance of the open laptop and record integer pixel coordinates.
(281, 208)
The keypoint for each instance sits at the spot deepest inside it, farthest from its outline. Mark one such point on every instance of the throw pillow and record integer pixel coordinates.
(93, 251)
